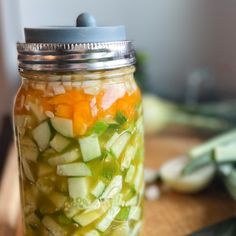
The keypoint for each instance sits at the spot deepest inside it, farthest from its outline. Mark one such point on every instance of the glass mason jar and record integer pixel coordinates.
(79, 133)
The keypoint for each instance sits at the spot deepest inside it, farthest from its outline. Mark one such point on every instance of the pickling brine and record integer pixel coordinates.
(80, 145)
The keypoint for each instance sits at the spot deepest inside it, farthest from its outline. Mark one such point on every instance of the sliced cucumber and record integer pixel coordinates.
(63, 126)
(100, 127)
(44, 169)
(171, 174)
(37, 111)
(27, 171)
(225, 154)
(72, 208)
(104, 224)
(119, 145)
(53, 227)
(42, 135)
(128, 157)
(90, 148)
(98, 189)
(111, 141)
(92, 233)
(28, 149)
(59, 143)
(114, 187)
(78, 187)
(135, 213)
(77, 169)
(130, 174)
(87, 218)
(139, 177)
(64, 158)
(58, 200)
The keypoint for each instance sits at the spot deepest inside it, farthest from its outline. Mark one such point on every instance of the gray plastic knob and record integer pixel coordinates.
(86, 20)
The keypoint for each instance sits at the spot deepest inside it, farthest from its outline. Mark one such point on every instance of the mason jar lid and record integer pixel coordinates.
(84, 47)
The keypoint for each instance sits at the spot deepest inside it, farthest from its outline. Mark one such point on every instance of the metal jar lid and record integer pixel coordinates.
(85, 47)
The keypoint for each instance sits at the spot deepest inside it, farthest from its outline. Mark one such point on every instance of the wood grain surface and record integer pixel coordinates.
(176, 214)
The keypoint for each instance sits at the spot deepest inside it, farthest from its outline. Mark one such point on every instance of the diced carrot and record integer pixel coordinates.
(64, 111)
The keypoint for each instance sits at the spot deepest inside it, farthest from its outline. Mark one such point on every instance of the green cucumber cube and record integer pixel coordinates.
(130, 174)
(77, 169)
(78, 187)
(89, 217)
(42, 135)
(128, 157)
(90, 148)
(111, 141)
(28, 149)
(114, 187)
(119, 145)
(98, 189)
(59, 143)
(123, 214)
(104, 224)
(53, 227)
(92, 233)
(64, 158)
(100, 127)
(63, 126)
(58, 200)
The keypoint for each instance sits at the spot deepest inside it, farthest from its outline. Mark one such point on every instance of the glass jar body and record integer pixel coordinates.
(80, 144)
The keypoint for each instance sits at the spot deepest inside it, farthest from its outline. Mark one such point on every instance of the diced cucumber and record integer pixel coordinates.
(130, 174)
(113, 188)
(96, 204)
(45, 185)
(111, 141)
(44, 169)
(123, 214)
(42, 135)
(90, 148)
(136, 229)
(78, 187)
(72, 208)
(139, 177)
(64, 158)
(63, 126)
(100, 127)
(58, 200)
(21, 122)
(128, 157)
(121, 230)
(53, 227)
(37, 111)
(27, 171)
(28, 149)
(59, 143)
(87, 218)
(132, 202)
(119, 145)
(98, 189)
(225, 154)
(92, 233)
(135, 213)
(104, 224)
(77, 169)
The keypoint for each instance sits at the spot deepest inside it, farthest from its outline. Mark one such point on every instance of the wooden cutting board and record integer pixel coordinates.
(175, 214)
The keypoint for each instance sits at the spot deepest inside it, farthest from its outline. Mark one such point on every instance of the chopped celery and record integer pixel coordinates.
(98, 189)
(77, 169)
(107, 219)
(64, 158)
(78, 187)
(113, 188)
(128, 157)
(42, 135)
(111, 141)
(29, 149)
(119, 145)
(53, 227)
(63, 126)
(59, 143)
(90, 147)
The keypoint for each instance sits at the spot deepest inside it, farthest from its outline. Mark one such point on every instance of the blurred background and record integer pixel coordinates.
(186, 52)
